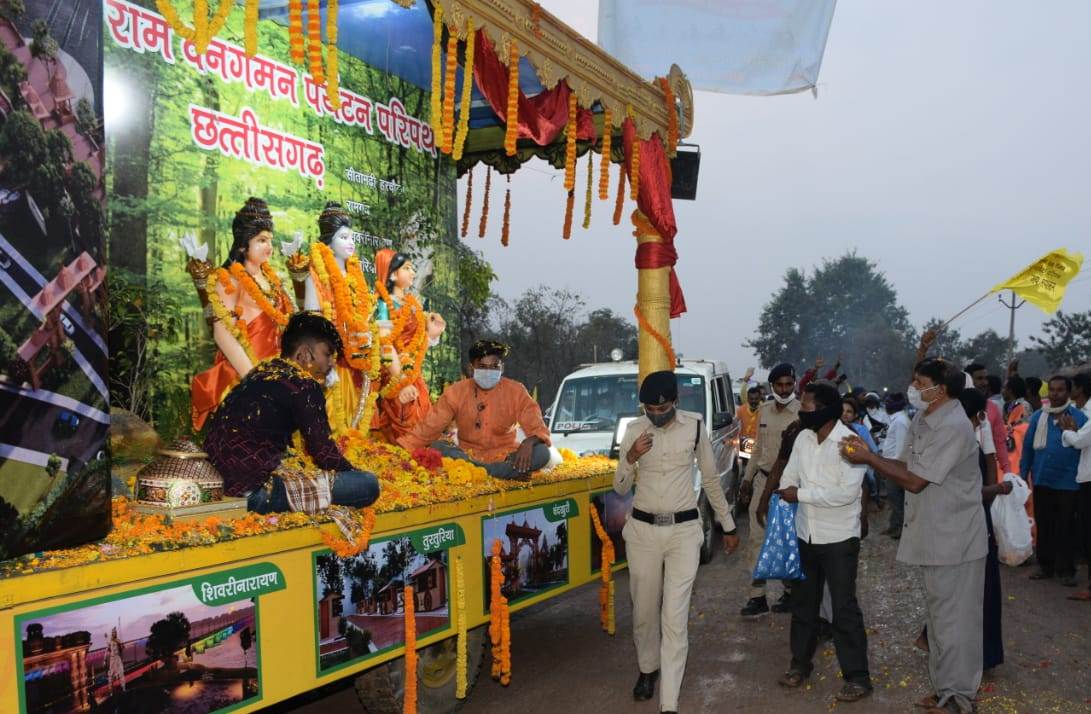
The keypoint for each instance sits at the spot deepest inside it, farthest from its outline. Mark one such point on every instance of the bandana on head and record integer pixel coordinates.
(484, 348)
(659, 388)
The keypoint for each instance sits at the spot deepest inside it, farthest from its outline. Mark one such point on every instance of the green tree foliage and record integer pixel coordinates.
(12, 72)
(330, 573)
(167, 636)
(844, 307)
(987, 347)
(85, 116)
(42, 45)
(7, 349)
(12, 9)
(1066, 341)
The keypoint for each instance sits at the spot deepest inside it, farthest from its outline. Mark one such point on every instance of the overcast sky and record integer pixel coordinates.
(949, 143)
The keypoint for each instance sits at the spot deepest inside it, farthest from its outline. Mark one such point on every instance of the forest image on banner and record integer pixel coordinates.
(191, 136)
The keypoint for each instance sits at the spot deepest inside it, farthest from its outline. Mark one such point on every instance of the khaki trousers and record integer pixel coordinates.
(663, 564)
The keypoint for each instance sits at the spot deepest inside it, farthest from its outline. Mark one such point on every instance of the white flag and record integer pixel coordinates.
(731, 46)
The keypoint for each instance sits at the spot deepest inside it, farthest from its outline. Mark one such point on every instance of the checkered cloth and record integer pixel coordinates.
(307, 492)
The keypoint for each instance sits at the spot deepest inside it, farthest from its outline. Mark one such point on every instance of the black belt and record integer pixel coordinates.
(666, 519)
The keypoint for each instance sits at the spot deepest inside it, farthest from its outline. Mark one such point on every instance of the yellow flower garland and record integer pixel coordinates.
(499, 621)
(410, 703)
(484, 224)
(469, 200)
(314, 41)
(413, 356)
(250, 27)
(506, 230)
(435, 117)
(333, 86)
(461, 659)
(295, 30)
(467, 91)
(569, 206)
(227, 318)
(353, 302)
(619, 205)
(278, 314)
(634, 170)
(604, 169)
(570, 144)
(606, 590)
(449, 91)
(204, 28)
(672, 114)
(590, 183)
(511, 128)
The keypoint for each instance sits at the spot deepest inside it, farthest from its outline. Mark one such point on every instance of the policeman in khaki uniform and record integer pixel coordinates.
(663, 536)
(774, 417)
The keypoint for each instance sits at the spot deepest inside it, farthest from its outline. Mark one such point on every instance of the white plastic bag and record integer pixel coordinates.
(1011, 525)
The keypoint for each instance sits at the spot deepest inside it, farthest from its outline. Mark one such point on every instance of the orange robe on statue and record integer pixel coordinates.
(208, 388)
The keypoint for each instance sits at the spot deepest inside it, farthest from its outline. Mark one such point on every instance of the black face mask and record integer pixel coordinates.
(819, 417)
(661, 420)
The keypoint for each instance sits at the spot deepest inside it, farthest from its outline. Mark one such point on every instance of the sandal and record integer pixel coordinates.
(853, 692)
(792, 679)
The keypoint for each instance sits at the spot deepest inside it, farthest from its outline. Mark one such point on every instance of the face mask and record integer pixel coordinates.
(332, 379)
(661, 420)
(916, 396)
(819, 417)
(487, 378)
(784, 401)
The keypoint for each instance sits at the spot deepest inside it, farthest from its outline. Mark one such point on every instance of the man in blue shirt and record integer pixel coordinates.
(1052, 468)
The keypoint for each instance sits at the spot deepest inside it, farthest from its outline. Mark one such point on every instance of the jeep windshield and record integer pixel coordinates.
(594, 403)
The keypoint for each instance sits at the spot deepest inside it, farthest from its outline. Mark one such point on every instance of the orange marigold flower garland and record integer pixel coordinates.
(634, 170)
(467, 91)
(363, 524)
(606, 589)
(461, 655)
(511, 129)
(295, 30)
(435, 116)
(570, 204)
(672, 116)
(570, 144)
(314, 41)
(410, 703)
(590, 184)
(499, 621)
(353, 303)
(449, 91)
(607, 141)
(619, 206)
(204, 28)
(333, 91)
(656, 335)
(279, 313)
(505, 233)
(250, 27)
(232, 321)
(484, 224)
(469, 200)
(413, 357)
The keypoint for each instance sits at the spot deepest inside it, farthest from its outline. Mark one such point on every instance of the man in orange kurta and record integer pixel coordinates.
(486, 409)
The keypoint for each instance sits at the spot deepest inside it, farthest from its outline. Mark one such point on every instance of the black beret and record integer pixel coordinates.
(782, 370)
(659, 388)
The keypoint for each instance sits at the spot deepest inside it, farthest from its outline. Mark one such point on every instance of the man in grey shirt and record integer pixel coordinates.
(944, 528)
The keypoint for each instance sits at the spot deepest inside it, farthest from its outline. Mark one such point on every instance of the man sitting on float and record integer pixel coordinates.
(249, 435)
(486, 409)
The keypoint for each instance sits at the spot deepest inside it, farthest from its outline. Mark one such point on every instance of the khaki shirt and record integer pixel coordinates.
(666, 470)
(771, 425)
(944, 523)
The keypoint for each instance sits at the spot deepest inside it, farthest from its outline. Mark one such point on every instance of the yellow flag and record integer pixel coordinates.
(1044, 281)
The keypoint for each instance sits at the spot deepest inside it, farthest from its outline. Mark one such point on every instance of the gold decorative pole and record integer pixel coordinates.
(653, 307)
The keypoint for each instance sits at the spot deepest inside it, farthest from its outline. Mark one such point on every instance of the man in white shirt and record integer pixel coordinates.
(896, 432)
(1080, 438)
(828, 490)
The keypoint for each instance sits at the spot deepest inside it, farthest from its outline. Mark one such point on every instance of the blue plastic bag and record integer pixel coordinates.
(779, 559)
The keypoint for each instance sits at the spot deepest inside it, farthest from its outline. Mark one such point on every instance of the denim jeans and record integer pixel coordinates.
(499, 469)
(349, 488)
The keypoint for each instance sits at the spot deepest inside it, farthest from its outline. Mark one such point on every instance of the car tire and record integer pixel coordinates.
(708, 528)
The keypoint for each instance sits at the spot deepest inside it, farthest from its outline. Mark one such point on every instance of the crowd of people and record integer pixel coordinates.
(934, 457)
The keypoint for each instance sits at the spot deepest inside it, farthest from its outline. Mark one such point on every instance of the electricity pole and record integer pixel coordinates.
(1015, 305)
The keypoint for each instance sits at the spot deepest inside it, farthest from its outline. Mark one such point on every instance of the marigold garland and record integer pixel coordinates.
(484, 224)
(511, 129)
(505, 233)
(619, 205)
(467, 91)
(230, 320)
(413, 357)
(467, 203)
(634, 171)
(647, 327)
(606, 591)
(409, 705)
(570, 143)
(314, 41)
(363, 524)
(279, 314)
(672, 116)
(333, 80)
(607, 141)
(590, 183)
(250, 27)
(499, 621)
(353, 302)
(570, 204)
(449, 92)
(435, 116)
(461, 658)
(295, 30)
(204, 28)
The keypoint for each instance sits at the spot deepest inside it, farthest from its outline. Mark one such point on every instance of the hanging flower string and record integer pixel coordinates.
(634, 171)
(506, 231)
(647, 327)
(511, 129)
(619, 206)
(449, 91)
(461, 658)
(484, 224)
(314, 41)
(250, 27)
(590, 192)
(604, 169)
(435, 117)
(295, 30)
(410, 704)
(672, 116)
(467, 92)
(499, 621)
(333, 81)
(570, 144)
(204, 28)
(569, 207)
(469, 199)
(606, 589)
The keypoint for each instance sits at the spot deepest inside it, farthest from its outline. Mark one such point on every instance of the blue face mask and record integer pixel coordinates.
(487, 378)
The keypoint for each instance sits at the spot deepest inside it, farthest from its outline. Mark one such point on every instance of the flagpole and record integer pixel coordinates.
(1015, 305)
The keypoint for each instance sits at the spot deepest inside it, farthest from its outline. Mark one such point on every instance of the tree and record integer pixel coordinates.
(24, 148)
(246, 640)
(1067, 339)
(85, 116)
(330, 573)
(42, 45)
(167, 637)
(12, 9)
(847, 307)
(12, 72)
(542, 330)
(948, 344)
(475, 276)
(602, 332)
(7, 349)
(987, 348)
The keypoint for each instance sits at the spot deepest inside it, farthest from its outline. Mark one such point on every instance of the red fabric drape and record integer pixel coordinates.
(654, 201)
(541, 118)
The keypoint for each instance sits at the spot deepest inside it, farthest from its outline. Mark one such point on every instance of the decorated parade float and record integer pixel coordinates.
(257, 158)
